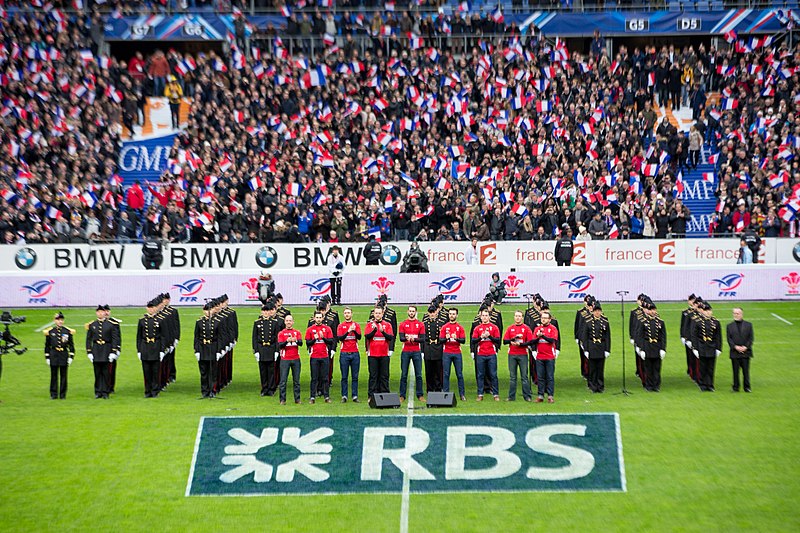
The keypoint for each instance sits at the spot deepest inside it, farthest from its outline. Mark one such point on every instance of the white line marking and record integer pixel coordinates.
(404, 502)
(194, 455)
(622, 478)
(782, 319)
(41, 329)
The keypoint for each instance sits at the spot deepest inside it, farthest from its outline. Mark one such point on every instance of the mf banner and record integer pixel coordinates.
(144, 159)
(373, 454)
(736, 282)
(442, 257)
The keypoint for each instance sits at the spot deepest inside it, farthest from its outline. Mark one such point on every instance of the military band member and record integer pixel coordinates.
(101, 338)
(289, 342)
(281, 312)
(596, 347)
(348, 334)
(378, 335)
(231, 327)
(444, 314)
(740, 341)
(452, 335)
(432, 349)
(150, 346)
(687, 317)
(59, 351)
(116, 350)
(174, 324)
(706, 345)
(265, 345)
(485, 343)
(635, 320)
(319, 341)
(653, 338)
(206, 349)
(518, 337)
(581, 317)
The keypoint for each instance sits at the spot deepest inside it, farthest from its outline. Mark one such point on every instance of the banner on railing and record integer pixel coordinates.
(144, 159)
(441, 256)
(736, 282)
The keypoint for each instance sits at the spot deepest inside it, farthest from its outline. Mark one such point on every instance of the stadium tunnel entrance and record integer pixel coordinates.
(124, 50)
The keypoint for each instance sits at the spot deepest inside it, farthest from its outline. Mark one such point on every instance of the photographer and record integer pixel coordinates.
(266, 287)
(497, 288)
(8, 341)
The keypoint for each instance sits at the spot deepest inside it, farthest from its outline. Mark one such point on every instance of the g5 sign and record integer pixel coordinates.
(366, 454)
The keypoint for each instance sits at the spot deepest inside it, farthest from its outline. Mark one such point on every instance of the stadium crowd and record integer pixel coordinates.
(511, 140)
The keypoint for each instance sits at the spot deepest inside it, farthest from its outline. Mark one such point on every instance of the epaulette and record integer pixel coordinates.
(72, 331)
(113, 320)
(87, 325)
(47, 331)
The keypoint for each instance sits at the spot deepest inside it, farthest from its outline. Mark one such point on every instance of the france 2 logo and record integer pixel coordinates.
(317, 288)
(189, 289)
(578, 286)
(38, 290)
(449, 286)
(727, 285)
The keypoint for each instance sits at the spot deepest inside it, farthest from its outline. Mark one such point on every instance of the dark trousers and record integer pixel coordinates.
(486, 366)
(706, 379)
(266, 370)
(486, 380)
(319, 377)
(58, 388)
(350, 364)
(743, 363)
(208, 377)
(378, 375)
(652, 372)
(518, 362)
(564, 262)
(150, 370)
(276, 371)
(691, 364)
(336, 290)
(406, 358)
(546, 373)
(101, 379)
(294, 366)
(112, 375)
(433, 375)
(170, 363)
(596, 379)
(584, 364)
(175, 111)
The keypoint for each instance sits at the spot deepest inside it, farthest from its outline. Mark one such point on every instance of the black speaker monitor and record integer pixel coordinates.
(385, 400)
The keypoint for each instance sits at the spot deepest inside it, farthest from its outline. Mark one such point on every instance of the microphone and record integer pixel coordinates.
(621, 293)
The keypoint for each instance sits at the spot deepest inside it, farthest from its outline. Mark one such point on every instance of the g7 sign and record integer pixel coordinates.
(437, 453)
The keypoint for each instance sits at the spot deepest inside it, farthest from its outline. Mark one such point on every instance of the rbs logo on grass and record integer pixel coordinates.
(369, 454)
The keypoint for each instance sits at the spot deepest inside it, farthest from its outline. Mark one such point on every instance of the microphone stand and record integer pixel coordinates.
(622, 295)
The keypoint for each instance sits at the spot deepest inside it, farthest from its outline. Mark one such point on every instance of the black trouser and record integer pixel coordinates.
(319, 376)
(112, 375)
(175, 111)
(273, 385)
(596, 379)
(294, 365)
(691, 364)
(433, 375)
(694, 158)
(267, 371)
(744, 364)
(101, 379)
(336, 290)
(378, 375)
(170, 360)
(487, 382)
(652, 372)
(150, 370)
(706, 379)
(58, 388)
(564, 262)
(584, 364)
(676, 99)
(208, 377)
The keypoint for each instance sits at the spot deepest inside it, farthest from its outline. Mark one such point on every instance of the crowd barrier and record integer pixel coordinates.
(734, 282)
(442, 257)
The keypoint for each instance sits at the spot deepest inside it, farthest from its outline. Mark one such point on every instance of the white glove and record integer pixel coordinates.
(717, 352)
(683, 340)
(688, 343)
(662, 353)
(91, 358)
(112, 358)
(577, 342)
(641, 354)
(197, 356)
(472, 354)
(696, 354)
(391, 353)
(534, 354)
(586, 354)
(220, 356)
(255, 354)
(631, 341)
(607, 354)
(161, 356)
(175, 343)
(139, 355)
(557, 352)
(69, 361)
(47, 360)
(333, 352)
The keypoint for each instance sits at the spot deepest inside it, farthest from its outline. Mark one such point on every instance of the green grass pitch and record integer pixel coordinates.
(694, 461)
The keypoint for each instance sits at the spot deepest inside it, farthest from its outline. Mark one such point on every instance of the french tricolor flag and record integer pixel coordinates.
(712, 159)
(380, 104)
(729, 103)
(313, 78)
(543, 106)
(374, 232)
(650, 170)
(587, 129)
(613, 232)
(456, 151)
(519, 210)
(293, 189)
(709, 177)
(254, 183)
(86, 56)
(442, 184)
(9, 196)
(538, 149)
(52, 211)
(285, 11)
(225, 164)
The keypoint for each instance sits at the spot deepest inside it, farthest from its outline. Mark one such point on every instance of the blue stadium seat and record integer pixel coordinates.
(675, 5)
(702, 5)
(716, 5)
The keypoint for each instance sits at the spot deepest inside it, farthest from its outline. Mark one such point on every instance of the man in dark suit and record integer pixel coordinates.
(740, 340)
(59, 351)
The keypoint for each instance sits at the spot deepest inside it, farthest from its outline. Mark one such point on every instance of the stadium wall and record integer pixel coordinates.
(443, 257)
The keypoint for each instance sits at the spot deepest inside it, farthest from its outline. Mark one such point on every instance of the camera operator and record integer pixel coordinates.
(415, 260)
(497, 288)
(266, 287)
(9, 342)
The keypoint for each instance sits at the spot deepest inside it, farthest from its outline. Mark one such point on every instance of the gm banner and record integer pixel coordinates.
(246, 456)
(144, 159)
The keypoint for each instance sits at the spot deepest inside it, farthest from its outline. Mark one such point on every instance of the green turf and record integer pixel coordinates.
(702, 462)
